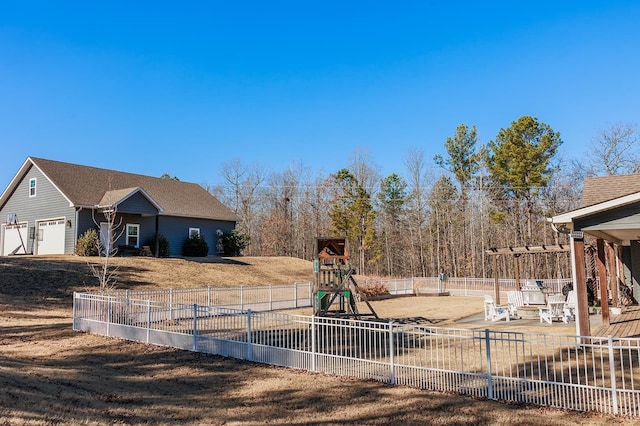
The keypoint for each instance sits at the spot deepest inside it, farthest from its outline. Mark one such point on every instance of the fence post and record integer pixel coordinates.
(208, 295)
(75, 327)
(195, 327)
(270, 297)
(313, 343)
(128, 308)
(295, 295)
(487, 343)
(148, 318)
(249, 357)
(612, 373)
(392, 374)
(242, 298)
(108, 316)
(171, 304)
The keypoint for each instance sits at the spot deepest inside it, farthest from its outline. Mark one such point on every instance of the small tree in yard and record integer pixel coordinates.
(105, 271)
(195, 246)
(231, 243)
(88, 244)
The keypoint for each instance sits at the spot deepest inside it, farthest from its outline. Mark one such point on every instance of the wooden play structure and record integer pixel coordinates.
(335, 290)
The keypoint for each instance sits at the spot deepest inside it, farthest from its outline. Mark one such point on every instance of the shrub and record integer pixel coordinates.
(233, 242)
(88, 244)
(195, 246)
(163, 246)
(375, 290)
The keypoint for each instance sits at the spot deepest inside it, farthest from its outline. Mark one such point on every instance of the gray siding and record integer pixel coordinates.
(623, 217)
(86, 221)
(137, 203)
(176, 231)
(89, 220)
(48, 203)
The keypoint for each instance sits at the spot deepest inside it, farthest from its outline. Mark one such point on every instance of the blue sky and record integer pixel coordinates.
(181, 87)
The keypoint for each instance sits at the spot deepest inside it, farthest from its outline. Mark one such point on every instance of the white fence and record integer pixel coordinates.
(257, 298)
(569, 372)
(459, 286)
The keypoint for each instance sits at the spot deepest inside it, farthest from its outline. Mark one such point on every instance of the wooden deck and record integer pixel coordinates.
(626, 324)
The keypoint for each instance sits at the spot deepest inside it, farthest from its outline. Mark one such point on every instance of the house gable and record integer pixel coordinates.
(130, 200)
(47, 204)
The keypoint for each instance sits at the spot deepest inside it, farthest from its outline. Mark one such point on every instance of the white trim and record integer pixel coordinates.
(50, 181)
(569, 217)
(38, 237)
(137, 226)
(133, 191)
(35, 187)
(3, 235)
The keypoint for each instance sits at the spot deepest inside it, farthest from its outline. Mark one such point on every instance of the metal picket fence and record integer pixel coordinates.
(578, 373)
(257, 298)
(474, 287)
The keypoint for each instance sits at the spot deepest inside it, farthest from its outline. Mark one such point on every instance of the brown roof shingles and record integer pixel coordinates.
(605, 188)
(86, 186)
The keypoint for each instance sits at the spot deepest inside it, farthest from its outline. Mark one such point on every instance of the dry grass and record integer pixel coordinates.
(52, 375)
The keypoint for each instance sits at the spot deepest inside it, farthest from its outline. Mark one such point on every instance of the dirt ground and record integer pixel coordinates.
(52, 375)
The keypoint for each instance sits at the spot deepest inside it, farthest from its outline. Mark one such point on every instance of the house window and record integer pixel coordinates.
(194, 232)
(133, 235)
(32, 187)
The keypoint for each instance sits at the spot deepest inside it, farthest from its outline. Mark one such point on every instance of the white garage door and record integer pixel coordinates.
(13, 243)
(51, 236)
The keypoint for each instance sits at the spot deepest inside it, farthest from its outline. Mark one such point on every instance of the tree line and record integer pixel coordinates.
(441, 214)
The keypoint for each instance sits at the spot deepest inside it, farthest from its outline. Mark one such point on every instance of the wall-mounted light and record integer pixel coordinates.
(68, 224)
(577, 235)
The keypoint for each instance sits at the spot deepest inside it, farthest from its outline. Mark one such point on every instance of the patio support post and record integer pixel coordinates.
(613, 273)
(602, 276)
(620, 267)
(580, 284)
(157, 247)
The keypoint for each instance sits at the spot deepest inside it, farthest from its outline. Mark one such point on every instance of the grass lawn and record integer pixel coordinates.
(52, 375)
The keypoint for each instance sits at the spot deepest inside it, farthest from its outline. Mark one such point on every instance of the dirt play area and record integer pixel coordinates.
(51, 375)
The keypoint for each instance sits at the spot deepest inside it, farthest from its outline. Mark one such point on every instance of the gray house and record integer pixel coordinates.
(48, 204)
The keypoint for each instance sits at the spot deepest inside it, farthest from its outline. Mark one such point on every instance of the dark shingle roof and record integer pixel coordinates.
(605, 188)
(86, 186)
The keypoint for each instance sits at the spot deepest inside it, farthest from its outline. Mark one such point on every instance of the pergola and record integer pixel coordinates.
(516, 252)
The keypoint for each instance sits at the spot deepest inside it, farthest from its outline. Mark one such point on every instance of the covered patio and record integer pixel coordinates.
(608, 223)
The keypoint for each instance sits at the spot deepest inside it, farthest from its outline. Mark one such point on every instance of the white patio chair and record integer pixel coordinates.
(515, 301)
(569, 308)
(553, 310)
(493, 312)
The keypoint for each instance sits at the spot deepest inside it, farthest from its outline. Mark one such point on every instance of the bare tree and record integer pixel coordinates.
(614, 151)
(241, 192)
(364, 169)
(418, 211)
(110, 231)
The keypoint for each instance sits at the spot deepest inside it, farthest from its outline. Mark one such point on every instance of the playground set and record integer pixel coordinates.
(335, 291)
